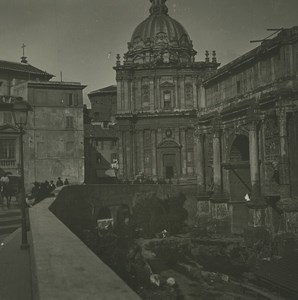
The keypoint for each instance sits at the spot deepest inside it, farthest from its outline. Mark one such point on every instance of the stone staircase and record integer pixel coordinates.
(10, 220)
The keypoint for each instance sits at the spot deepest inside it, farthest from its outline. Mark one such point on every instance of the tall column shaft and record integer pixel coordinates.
(182, 92)
(126, 96)
(195, 93)
(199, 161)
(284, 156)
(141, 151)
(152, 106)
(254, 162)
(154, 163)
(119, 97)
(216, 163)
(183, 154)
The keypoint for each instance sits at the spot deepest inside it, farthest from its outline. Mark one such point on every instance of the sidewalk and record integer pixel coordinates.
(15, 273)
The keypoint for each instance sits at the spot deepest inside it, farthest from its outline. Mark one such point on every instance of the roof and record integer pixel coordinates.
(22, 68)
(96, 131)
(56, 84)
(108, 89)
(285, 35)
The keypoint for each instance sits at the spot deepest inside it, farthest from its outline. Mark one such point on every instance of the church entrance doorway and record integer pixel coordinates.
(169, 161)
(168, 158)
(240, 186)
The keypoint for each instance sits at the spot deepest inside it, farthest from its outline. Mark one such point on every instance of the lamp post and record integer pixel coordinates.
(20, 116)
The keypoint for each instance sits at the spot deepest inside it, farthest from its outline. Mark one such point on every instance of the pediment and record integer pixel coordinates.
(7, 129)
(167, 84)
(169, 144)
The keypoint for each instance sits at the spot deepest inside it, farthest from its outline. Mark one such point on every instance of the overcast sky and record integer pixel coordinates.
(82, 37)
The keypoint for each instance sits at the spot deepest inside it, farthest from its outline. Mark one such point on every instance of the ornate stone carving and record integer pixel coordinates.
(272, 139)
(189, 95)
(145, 96)
(147, 139)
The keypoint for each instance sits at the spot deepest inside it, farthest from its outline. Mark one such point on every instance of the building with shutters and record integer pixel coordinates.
(54, 139)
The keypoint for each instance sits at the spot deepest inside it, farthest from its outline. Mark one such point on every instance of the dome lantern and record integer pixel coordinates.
(158, 7)
(160, 39)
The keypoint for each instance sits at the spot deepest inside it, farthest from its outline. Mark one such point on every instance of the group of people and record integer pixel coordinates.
(5, 190)
(43, 190)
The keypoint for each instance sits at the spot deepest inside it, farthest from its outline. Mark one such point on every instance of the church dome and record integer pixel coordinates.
(160, 35)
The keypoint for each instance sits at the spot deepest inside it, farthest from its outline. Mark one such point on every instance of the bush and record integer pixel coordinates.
(153, 214)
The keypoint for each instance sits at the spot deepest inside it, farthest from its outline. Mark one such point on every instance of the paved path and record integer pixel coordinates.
(15, 273)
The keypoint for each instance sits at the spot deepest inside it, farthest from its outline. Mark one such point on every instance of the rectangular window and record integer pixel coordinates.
(7, 117)
(238, 87)
(105, 124)
(69, 122)
(7, 149)
(113, 144)
(167, 103)
(70, 99)
(76, 100)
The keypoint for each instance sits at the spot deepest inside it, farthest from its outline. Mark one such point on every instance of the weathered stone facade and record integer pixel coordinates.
(54, 134)
(101, 138)
(247, 137)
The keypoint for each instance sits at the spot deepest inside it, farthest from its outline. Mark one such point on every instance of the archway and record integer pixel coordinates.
(239, 177)
(168, 158)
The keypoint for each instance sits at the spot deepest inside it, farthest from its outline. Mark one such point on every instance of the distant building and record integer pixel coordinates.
(54, 139)
(101, 138)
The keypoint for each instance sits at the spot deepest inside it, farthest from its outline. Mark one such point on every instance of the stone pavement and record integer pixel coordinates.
(15, 273)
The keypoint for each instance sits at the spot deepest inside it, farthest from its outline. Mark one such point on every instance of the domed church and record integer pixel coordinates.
(158, 86)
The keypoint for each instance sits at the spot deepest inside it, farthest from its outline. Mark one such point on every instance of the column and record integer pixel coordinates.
(128, 154)
(183, 153)
(158, 157)
(257, 203)
(284, 156)
(203, 97)
(182, 93)
(119, 97)
(152, 106)
(195, 92)
(141, 151)
(176, 93)
(158, 104)
(154, 165)
(200, 165)
(138, 99)
(216, 163)
(126, 96)
(133, 152)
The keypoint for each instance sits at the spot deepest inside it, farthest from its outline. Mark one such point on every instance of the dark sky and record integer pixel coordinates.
(82, 37)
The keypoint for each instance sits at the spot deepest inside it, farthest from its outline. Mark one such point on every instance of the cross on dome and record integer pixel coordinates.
(158, 7)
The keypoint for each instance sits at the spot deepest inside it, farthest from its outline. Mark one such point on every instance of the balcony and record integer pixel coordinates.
(7, 163)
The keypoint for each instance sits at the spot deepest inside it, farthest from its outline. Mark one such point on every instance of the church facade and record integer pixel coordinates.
(157, 99)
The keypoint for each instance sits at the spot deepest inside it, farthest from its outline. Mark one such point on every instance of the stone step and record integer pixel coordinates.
(6, 229)
(9, 213)
(10, 220)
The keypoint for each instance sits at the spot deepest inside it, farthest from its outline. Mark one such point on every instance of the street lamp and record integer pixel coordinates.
(20, 116)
